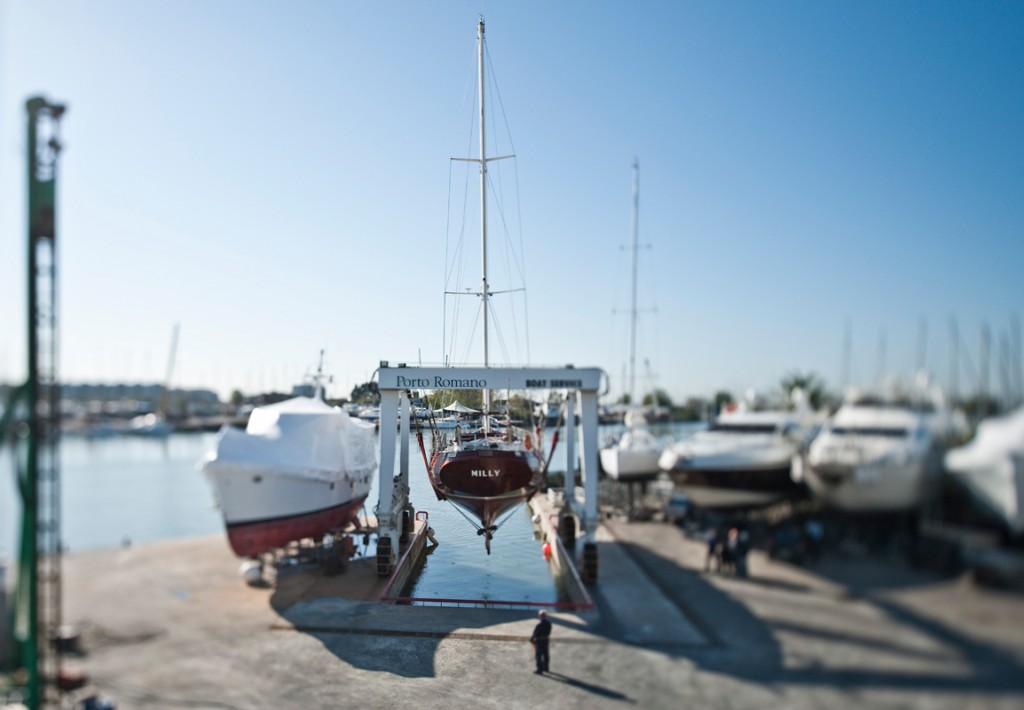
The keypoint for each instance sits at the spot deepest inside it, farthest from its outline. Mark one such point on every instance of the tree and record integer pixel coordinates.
(722, 398)
(659, 398)
(237, 398)
(810, 384)
(366, 393)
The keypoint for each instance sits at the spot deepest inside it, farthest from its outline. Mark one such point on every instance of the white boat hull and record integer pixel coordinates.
(265, 508)
(869, 487)
(299, 470)
(626, 464)
(991, 468)
(998, 487)
(733, 470)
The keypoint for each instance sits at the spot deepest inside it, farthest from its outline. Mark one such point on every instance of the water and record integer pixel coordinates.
(122, 489)
(143, 490)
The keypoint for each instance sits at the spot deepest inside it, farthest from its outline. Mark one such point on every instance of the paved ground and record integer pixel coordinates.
(172, 625)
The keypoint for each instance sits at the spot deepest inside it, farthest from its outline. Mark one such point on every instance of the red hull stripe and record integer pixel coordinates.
(252, 538)
(484, 486)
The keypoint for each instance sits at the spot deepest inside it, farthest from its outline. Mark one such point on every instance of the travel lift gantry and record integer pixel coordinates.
(395, 384)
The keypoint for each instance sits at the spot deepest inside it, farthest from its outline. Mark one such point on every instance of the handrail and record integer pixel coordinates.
(441, 601)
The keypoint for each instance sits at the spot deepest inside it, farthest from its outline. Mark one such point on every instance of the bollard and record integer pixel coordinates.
(383, 555)
(589, 563)
(567, 531)
(408, 516)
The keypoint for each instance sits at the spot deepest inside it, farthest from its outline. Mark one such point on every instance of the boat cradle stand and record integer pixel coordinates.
(395, 383)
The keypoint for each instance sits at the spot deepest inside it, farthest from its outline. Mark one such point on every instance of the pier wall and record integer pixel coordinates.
(4, 617)
(562, 563)
(406, 563)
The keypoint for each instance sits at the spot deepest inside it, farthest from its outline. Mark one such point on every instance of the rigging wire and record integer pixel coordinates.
(455, 257)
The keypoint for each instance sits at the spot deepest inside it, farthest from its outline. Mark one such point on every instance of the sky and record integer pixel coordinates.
(820, 183)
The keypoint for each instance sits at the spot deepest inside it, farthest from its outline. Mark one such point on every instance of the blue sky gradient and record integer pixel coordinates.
(275, 178)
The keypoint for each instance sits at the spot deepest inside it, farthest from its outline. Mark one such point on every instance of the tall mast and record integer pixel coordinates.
(484, 293)
(483, 193)
(632, 307)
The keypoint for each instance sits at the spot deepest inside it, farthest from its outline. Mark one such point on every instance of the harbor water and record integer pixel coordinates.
(131, 490)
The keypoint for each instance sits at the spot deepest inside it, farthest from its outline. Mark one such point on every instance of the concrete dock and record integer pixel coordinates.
(171, 624)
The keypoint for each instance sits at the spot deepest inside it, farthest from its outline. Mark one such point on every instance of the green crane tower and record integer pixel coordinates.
(31, 420)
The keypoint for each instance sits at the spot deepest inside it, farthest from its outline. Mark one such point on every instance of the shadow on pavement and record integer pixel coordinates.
(590, 687)
(752, 651)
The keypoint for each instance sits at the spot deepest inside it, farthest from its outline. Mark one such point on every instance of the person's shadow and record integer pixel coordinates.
(590, 687)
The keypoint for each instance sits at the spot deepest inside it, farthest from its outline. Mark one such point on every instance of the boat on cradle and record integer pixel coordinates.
(485, 472)
(991, 468)
(634, 454)
(878, 455)
(742, 460)
(300, 469)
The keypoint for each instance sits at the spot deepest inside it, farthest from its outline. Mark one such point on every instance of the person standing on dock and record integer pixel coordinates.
(541, 637)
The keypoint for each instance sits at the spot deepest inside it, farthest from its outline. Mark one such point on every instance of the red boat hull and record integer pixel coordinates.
(485, 483)
(252, 538)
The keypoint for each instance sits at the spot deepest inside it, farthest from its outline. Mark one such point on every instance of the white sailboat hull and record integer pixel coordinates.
(626, 463)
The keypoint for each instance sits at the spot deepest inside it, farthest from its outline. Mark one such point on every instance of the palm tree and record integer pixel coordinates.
(812, 387)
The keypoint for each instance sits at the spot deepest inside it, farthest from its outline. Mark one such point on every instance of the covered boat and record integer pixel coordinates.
(300, 469)
(991, 468)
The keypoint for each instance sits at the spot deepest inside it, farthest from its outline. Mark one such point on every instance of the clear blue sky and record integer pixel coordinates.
(274, 177)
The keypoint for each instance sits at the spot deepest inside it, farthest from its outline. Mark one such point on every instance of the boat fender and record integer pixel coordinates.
(251, 571)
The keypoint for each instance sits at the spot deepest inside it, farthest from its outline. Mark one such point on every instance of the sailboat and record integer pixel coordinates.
(485, 470)
(156, 424)
(634, 455)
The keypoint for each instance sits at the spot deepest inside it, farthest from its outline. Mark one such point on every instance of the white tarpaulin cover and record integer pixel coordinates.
(301, 436)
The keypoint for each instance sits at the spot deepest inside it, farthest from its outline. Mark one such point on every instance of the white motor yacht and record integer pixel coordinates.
(743, 459)
(876, 455)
